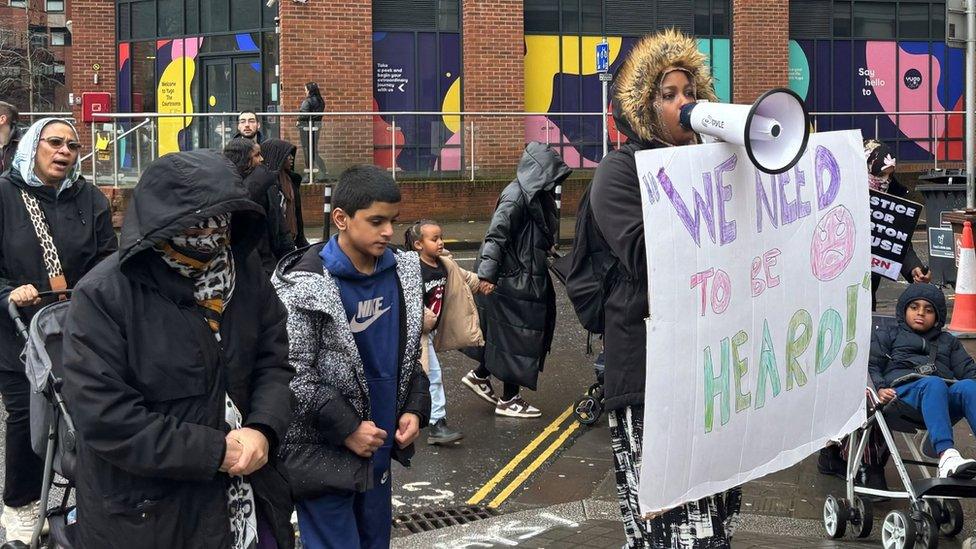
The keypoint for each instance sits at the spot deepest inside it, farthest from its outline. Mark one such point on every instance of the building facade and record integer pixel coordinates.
(503, 56)
(34, 44)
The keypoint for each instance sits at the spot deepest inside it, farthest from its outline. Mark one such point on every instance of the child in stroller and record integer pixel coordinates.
(52, 431)
(921, 379)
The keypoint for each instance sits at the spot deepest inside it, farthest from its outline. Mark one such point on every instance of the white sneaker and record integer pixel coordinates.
(481, 387)
(517, 407)
(952, 465)
(19, 522)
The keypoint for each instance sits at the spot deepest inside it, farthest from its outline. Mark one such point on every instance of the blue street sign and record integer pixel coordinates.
(602, 57)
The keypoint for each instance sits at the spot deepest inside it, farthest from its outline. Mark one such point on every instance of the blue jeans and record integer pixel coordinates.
(350, 520)
(438, 399)
(941, 405)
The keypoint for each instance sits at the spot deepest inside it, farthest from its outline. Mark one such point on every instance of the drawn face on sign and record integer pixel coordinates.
(832, 247)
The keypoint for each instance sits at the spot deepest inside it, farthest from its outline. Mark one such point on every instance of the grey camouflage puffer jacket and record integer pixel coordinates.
(330, 382)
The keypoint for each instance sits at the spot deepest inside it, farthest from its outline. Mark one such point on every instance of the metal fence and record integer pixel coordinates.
(449, 142)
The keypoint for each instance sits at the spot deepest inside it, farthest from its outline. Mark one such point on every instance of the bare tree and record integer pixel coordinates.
(29, 70)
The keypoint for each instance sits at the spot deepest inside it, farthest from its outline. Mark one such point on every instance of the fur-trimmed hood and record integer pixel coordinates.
(639, 78)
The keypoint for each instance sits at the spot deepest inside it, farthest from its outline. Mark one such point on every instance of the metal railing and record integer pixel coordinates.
(455, 151)
(879, 115)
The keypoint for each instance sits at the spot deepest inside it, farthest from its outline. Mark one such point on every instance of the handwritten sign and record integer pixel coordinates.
(760, 312)
(893, 221)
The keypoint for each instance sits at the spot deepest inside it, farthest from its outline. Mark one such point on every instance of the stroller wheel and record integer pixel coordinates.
(898, 531)
(952, 513)
(862, 517)
(836, 513)
(927, 531)
(587, 410)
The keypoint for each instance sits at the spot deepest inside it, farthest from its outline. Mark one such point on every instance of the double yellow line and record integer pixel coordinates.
(511, 466)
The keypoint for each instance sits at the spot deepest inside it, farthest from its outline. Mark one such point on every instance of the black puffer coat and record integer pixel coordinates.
(897, 350)
(80, 222)
(518, 319)
(145, 378)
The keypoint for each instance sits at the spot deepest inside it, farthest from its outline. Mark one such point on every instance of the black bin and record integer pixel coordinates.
(943, 190)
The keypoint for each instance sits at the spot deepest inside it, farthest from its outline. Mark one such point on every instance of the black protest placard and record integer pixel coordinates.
(893, 221)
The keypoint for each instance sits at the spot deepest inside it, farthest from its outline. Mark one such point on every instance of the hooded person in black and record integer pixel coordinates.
(917, 362)
(518, 318)
(43, 190)
(176, 372)
(279, 159)
(662, 73)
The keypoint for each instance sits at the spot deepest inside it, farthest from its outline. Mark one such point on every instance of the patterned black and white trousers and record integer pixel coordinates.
(704, 524)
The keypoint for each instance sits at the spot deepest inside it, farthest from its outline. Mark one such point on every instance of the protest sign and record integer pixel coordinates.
(893, 221)
(760, 312)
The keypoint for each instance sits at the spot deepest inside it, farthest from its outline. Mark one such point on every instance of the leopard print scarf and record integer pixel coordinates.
(206, 259)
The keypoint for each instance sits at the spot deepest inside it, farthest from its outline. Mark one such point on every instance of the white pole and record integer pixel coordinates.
(970, 101)
(603, 116)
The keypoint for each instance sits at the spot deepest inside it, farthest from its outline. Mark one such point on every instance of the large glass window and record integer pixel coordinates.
(214, 16)
(541, 16)
(143, 19)
(874, 20)
(54, 6)
(913, 20)
(842, 19)
(170, 17)
(243, 16)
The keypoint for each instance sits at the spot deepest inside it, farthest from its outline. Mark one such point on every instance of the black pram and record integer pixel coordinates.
(53, 434)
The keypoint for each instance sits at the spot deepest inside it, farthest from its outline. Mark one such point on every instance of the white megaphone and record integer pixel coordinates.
(773, 130)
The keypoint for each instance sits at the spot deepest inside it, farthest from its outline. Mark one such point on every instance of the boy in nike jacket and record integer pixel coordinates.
(355, 309)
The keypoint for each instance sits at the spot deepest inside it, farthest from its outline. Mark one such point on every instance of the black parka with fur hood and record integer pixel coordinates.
(616, 204)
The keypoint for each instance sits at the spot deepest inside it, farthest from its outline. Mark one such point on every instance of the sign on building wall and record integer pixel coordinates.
(760, 291)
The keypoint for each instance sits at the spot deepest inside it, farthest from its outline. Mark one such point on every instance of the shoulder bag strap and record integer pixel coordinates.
(52, 262)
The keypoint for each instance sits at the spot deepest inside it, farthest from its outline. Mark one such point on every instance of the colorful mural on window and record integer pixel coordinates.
(418, 72)
(163, 76)
(561, 76)
(886, 77)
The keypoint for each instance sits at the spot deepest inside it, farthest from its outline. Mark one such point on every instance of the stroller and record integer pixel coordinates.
(589, 407)
(52, 431)
(933, 503)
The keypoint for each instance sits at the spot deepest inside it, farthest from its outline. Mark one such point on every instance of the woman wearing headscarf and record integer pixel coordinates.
(662, 73)
(176, 372)
(54, 227)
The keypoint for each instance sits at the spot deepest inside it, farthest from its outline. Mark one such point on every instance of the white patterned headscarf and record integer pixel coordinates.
(23, 161)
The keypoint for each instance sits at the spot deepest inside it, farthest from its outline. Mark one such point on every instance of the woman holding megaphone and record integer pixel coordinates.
(662, 73)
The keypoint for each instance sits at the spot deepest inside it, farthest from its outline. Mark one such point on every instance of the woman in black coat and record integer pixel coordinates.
(43, 190)
(662, 73)
(518, 318)
(176, 372)
(313, 102)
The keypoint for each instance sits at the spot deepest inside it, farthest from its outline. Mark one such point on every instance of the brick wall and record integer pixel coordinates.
(493, 45)
(440, 200)
(760, 55)
(92, 42)
(330, 42)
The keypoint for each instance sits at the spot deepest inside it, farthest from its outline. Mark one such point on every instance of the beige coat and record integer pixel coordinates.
(459, 325)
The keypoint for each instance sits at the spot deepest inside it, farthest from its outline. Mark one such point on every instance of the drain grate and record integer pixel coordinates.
(426, 521)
